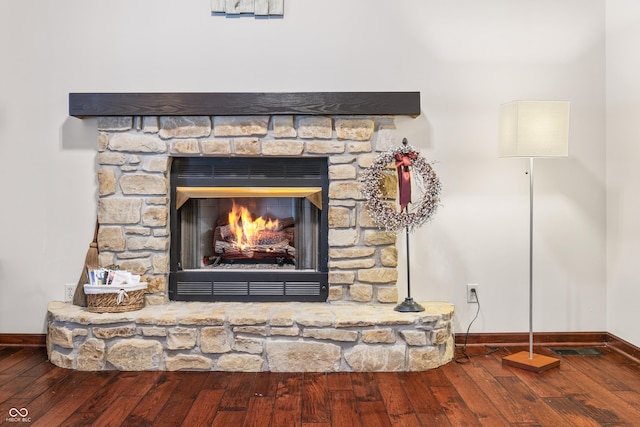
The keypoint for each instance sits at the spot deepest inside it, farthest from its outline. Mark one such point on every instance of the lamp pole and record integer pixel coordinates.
(408, 305)
(530, 257)
(406, 233)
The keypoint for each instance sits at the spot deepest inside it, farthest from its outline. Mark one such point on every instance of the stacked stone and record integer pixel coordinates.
(277, 337)
(133, 202)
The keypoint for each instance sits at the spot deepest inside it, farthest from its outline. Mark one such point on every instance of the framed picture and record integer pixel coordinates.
(257, 8)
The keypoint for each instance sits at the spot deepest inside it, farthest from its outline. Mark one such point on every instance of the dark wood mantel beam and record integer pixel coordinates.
(244, 103)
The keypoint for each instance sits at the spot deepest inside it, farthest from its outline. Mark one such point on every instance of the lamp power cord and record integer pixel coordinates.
(466, 358)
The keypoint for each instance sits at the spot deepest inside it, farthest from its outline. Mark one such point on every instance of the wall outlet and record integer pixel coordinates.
(472, 290)
(69, 290)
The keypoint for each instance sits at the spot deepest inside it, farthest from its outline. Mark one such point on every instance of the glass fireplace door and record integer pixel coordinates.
(249, 233)
(249, 229)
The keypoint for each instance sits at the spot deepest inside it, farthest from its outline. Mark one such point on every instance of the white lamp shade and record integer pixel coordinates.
(534, 129)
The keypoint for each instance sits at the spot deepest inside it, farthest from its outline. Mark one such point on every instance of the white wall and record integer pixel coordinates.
(465, 57)
(623, 175)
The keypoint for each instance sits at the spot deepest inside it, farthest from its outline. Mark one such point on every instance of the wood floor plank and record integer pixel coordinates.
(339, 381)
(393, 394)
(315, 398)
(81, 419)
(606, 375)
(632, 397)
(13, 386)
(404, 420)
(64, 398)
(228, 419)
(20, 361)
(611, 374)
(602, 413)
(372, 413)
(434, 377)
(260, 412)
(266, 384)
(38, 369)
(422, 400)
(6, 351)
(456, 410)
(287, 412)
(433, 420)
(182, 398)
(39, 385)
(554, 384)
(217, 380)
(117, 411)
(204, 408)
(239, 389)
(571, 411)
(112, 404)
(104, 397)
(601, 400)
(474, 397)
(365, 386)
(150, 405)
(509, 407)
(527, 401)
(288, 404)
(492, 363)
(583, 391)
(343, 409)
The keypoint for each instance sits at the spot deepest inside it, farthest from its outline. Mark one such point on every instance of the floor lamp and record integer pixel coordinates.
(533, 129)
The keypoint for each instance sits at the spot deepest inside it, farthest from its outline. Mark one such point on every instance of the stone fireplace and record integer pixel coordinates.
(156, 217)
(134, 161)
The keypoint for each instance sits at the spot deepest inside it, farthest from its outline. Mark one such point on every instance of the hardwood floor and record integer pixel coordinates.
(583, 391)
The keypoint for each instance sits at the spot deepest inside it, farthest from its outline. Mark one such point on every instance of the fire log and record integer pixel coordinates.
(232, 250)
(263, 237)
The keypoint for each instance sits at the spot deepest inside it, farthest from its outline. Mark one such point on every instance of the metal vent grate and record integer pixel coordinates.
(301, 170)
(267, 171)
(195, 170)
(577, 351)
(303, 288)
(266, 288)
(231, 172)
(225, 170)
(230, 288)
(194, 288)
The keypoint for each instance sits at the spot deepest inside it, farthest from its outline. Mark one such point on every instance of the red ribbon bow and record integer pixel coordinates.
(403, 161)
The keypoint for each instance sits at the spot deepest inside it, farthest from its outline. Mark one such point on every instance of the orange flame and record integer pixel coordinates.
(245, 229)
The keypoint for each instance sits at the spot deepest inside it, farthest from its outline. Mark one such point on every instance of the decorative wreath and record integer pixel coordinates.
(405, 158)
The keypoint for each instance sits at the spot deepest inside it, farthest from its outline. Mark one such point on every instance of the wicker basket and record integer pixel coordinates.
(115, 299)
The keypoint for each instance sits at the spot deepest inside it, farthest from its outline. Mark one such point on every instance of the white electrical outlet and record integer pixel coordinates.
(472, 290)
(69, 290)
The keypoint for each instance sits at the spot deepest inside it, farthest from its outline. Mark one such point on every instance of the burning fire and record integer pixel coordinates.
(245, 229)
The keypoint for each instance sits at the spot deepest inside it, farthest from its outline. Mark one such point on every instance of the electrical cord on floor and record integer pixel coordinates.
(466, 358)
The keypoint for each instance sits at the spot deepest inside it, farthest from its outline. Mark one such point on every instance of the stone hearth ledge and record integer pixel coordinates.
(251, 337)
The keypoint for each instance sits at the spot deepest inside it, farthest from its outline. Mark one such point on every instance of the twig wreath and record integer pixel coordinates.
(405, 159)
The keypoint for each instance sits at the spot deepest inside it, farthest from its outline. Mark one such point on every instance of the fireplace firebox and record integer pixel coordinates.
(249, 229)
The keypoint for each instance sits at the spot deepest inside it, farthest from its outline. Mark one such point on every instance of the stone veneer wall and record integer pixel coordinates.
(133, 204)
(356, 332)
(277, 337)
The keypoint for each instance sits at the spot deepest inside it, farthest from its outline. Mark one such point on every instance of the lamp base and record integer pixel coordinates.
(409, 305)
(537, 364)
